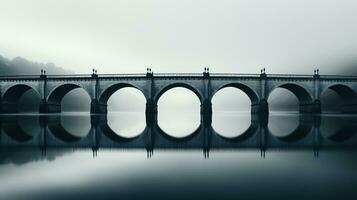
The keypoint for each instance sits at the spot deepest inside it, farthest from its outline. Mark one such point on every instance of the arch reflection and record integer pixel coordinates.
(290, 127)
(21, 128)
(69, 128)
(338, 129)
(307, 132)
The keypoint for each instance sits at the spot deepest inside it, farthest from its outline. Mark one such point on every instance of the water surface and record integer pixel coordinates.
(74, 172)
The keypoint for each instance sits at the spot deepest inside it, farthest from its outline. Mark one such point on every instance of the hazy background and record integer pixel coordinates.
(117, 36)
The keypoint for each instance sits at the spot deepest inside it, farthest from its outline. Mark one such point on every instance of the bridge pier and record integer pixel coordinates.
(206, 107)
(46, 107)
(206, 122)
(260, 108)
(151, 107)
(151, 113)
(311, 108)
(98, 108)
(151, 122)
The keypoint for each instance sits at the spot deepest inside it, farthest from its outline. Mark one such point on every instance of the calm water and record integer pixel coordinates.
(289, 170)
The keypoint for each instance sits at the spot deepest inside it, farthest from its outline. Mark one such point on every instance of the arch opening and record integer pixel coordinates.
(178, 85)
(20, 98)
(231, 111)
(179, 112)
(283, 100)
(126, 112)
(69, 98)
(338, 98)
(280, 99)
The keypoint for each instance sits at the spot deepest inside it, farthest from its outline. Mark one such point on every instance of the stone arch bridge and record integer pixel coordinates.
(52, 88)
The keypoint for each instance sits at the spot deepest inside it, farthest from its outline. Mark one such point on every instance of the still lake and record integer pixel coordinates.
(289, 170)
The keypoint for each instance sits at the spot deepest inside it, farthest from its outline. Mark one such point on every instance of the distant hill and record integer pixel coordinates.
(21, 65)
(30, 100)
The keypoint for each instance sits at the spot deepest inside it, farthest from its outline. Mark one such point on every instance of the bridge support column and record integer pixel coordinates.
(260, 108)
(46, 107)
(98, 108)
(206, 113)
(206, 107)
(151, 120)
(151, 112)
(311, 108)
(151, 107)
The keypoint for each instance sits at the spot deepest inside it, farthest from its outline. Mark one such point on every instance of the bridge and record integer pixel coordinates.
(52, 88)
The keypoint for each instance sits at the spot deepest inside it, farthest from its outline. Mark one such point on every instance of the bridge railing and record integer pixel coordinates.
(338, 77)
(2, 77)
(99, 75)
(234, 75)
(122, 75)
(18, 76)
(178, 74)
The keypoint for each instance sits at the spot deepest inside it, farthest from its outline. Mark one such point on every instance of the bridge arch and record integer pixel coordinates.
(193, 89)
(306, 101)
(344, 91)
(55, 96)
(302, 93)
(253, 96)
(347, 97)
(13, 94)
(109, 91)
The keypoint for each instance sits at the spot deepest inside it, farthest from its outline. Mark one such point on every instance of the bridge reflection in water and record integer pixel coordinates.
(313, 132)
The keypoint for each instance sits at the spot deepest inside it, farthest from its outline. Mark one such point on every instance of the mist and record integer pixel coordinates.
(182, 36)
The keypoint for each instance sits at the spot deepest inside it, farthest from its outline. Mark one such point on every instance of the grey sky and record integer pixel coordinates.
(181, 36)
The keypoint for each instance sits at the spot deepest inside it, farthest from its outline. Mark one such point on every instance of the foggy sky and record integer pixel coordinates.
(116, 36)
